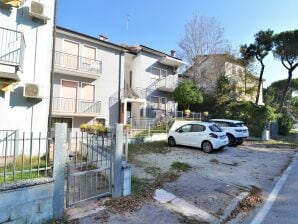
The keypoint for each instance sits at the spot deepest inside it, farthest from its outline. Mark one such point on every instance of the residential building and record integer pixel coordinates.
(26, 37)
(210, 67)
(87, 72)
(150, 79)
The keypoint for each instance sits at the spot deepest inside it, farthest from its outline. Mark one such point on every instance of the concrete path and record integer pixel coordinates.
(285, 200)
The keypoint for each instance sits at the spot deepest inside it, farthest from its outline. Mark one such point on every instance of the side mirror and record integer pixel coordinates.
(179, 130)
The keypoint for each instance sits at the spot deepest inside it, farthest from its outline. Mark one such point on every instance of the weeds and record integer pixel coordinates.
(180, 166)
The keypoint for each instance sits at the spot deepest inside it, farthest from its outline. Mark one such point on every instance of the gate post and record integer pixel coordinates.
(60, 153)
(117, 169)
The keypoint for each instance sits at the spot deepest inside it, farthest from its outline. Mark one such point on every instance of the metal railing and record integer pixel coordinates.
(183, 115)
(31, 156)
(168, 82)
(78, 63)
(12, 47)
(71, 105)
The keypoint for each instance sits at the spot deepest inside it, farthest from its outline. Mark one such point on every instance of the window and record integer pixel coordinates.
(87, 92)
(215, 128)
(154, 102)
(185, 128)
(197, 128)
(158, 72)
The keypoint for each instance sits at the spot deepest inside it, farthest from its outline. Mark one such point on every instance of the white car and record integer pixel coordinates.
(236, 131)
(204, 135)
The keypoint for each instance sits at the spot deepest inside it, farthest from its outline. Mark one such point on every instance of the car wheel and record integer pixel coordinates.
(231, 140)
(171, 142)
(207, 147)
(239, 142)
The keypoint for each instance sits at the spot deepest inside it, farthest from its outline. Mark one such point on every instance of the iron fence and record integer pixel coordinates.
(12, 47)
(72, 105)
(78, 63)
(90, 166)
(24, 156)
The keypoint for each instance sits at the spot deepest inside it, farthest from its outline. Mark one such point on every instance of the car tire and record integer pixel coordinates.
(239, 142)
(232, 140)
(171, 142)
(207, 146)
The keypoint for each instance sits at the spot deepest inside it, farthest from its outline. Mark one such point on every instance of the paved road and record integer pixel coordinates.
(285, 208)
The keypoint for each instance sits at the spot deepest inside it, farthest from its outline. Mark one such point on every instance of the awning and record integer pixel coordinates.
(170, 61)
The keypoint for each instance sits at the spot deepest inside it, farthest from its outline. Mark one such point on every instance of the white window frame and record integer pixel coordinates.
(159, 76)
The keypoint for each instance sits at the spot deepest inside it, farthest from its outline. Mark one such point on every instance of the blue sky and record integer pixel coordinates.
(160, 23)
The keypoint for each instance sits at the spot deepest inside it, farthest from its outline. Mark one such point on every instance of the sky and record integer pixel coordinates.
(160, 24)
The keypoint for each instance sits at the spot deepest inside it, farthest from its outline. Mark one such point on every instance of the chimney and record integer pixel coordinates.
(173, 53)
(104, 38)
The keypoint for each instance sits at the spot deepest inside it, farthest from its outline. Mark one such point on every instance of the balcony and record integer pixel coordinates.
(12, 49)
(77, 66)
(75, 107)
(168, 83)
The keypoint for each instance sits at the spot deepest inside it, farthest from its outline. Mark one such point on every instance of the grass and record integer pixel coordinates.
(154, 171)
(180, 166)
(146, 132)
(134, 150)
(23, 164)
(138, 184)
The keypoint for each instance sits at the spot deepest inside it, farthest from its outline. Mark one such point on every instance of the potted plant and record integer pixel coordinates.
(83, 127)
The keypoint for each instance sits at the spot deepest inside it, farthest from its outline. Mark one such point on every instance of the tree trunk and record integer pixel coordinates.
(260, 82)
(285, 90)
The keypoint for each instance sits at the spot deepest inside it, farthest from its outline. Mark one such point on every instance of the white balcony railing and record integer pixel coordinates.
(12, 47)
(73, 106)
(168, 83)
(78, 63)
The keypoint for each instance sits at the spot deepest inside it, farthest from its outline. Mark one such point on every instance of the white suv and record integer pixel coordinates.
(236, 130)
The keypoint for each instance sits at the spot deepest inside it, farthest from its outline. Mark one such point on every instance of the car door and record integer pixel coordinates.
(197, 135)
(182, 135)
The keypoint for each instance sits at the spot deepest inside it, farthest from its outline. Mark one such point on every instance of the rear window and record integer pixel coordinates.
(215, 128)
(239, 124)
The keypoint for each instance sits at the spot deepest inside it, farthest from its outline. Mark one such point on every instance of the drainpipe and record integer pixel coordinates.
(52, 71)
(119, 87)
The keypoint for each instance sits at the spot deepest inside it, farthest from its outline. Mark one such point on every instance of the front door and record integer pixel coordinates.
(68, 101)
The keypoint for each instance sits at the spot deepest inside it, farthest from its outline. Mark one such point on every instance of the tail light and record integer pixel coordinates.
(212, 135)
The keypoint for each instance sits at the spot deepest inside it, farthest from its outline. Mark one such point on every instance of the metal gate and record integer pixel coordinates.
(89, 170)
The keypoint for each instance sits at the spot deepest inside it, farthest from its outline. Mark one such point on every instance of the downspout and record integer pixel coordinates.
(119, 88)
(52, 71)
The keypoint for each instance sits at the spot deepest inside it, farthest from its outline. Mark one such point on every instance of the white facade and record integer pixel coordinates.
(32, 38)
(86, 79)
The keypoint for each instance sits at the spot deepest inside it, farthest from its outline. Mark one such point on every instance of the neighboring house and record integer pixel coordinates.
(150, 79)
(86, 75)
(26, 37)
(210, 67)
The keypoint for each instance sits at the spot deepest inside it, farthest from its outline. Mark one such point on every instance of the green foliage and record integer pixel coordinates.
(255, 117)
(180, 166)
(285, 124)
(187, 93)
(96, 128)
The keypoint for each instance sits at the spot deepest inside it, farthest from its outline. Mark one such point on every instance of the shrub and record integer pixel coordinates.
(285, 124)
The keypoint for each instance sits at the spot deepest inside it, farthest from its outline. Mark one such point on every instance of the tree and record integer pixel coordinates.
(187, 93)
(258, 50)
(203, 37)
(286, 50)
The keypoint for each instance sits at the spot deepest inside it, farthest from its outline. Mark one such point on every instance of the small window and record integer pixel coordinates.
(197, 128)
(215, 128)
(185, 128)
(155, 71)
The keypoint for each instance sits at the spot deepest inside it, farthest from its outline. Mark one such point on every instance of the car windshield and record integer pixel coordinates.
(215, 128)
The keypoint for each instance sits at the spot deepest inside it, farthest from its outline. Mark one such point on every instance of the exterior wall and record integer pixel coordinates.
(32, 204)
(106, 85)
(18, 112)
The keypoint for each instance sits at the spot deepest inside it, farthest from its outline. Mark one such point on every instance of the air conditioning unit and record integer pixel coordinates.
(32, 90)
(37, 11)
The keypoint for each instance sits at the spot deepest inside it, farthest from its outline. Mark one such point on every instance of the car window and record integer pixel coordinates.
(197, 128)
(215, 128)
(185, 128)
(239, 124)
(221, 124)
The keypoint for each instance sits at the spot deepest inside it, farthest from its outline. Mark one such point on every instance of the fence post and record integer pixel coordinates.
(60, 153)
(126, 144)
(118, 180)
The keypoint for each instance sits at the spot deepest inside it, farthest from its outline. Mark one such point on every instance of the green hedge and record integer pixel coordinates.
(285, 124)
(255, 117)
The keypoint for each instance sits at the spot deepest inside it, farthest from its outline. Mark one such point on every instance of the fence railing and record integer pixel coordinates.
(25, 156)
(190, 116)
(168, 82)
(78, 63)
(12, 47)
(71, 105)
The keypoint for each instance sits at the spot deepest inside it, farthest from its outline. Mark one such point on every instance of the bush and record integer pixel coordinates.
(285, 124)
(255, 117)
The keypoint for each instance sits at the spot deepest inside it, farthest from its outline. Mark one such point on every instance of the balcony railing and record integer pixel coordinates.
(78, 63)
(12, 47)
(168, 83)
(75, 106)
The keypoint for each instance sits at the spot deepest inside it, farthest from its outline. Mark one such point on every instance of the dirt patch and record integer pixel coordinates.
(143, 194)
(247, 204)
